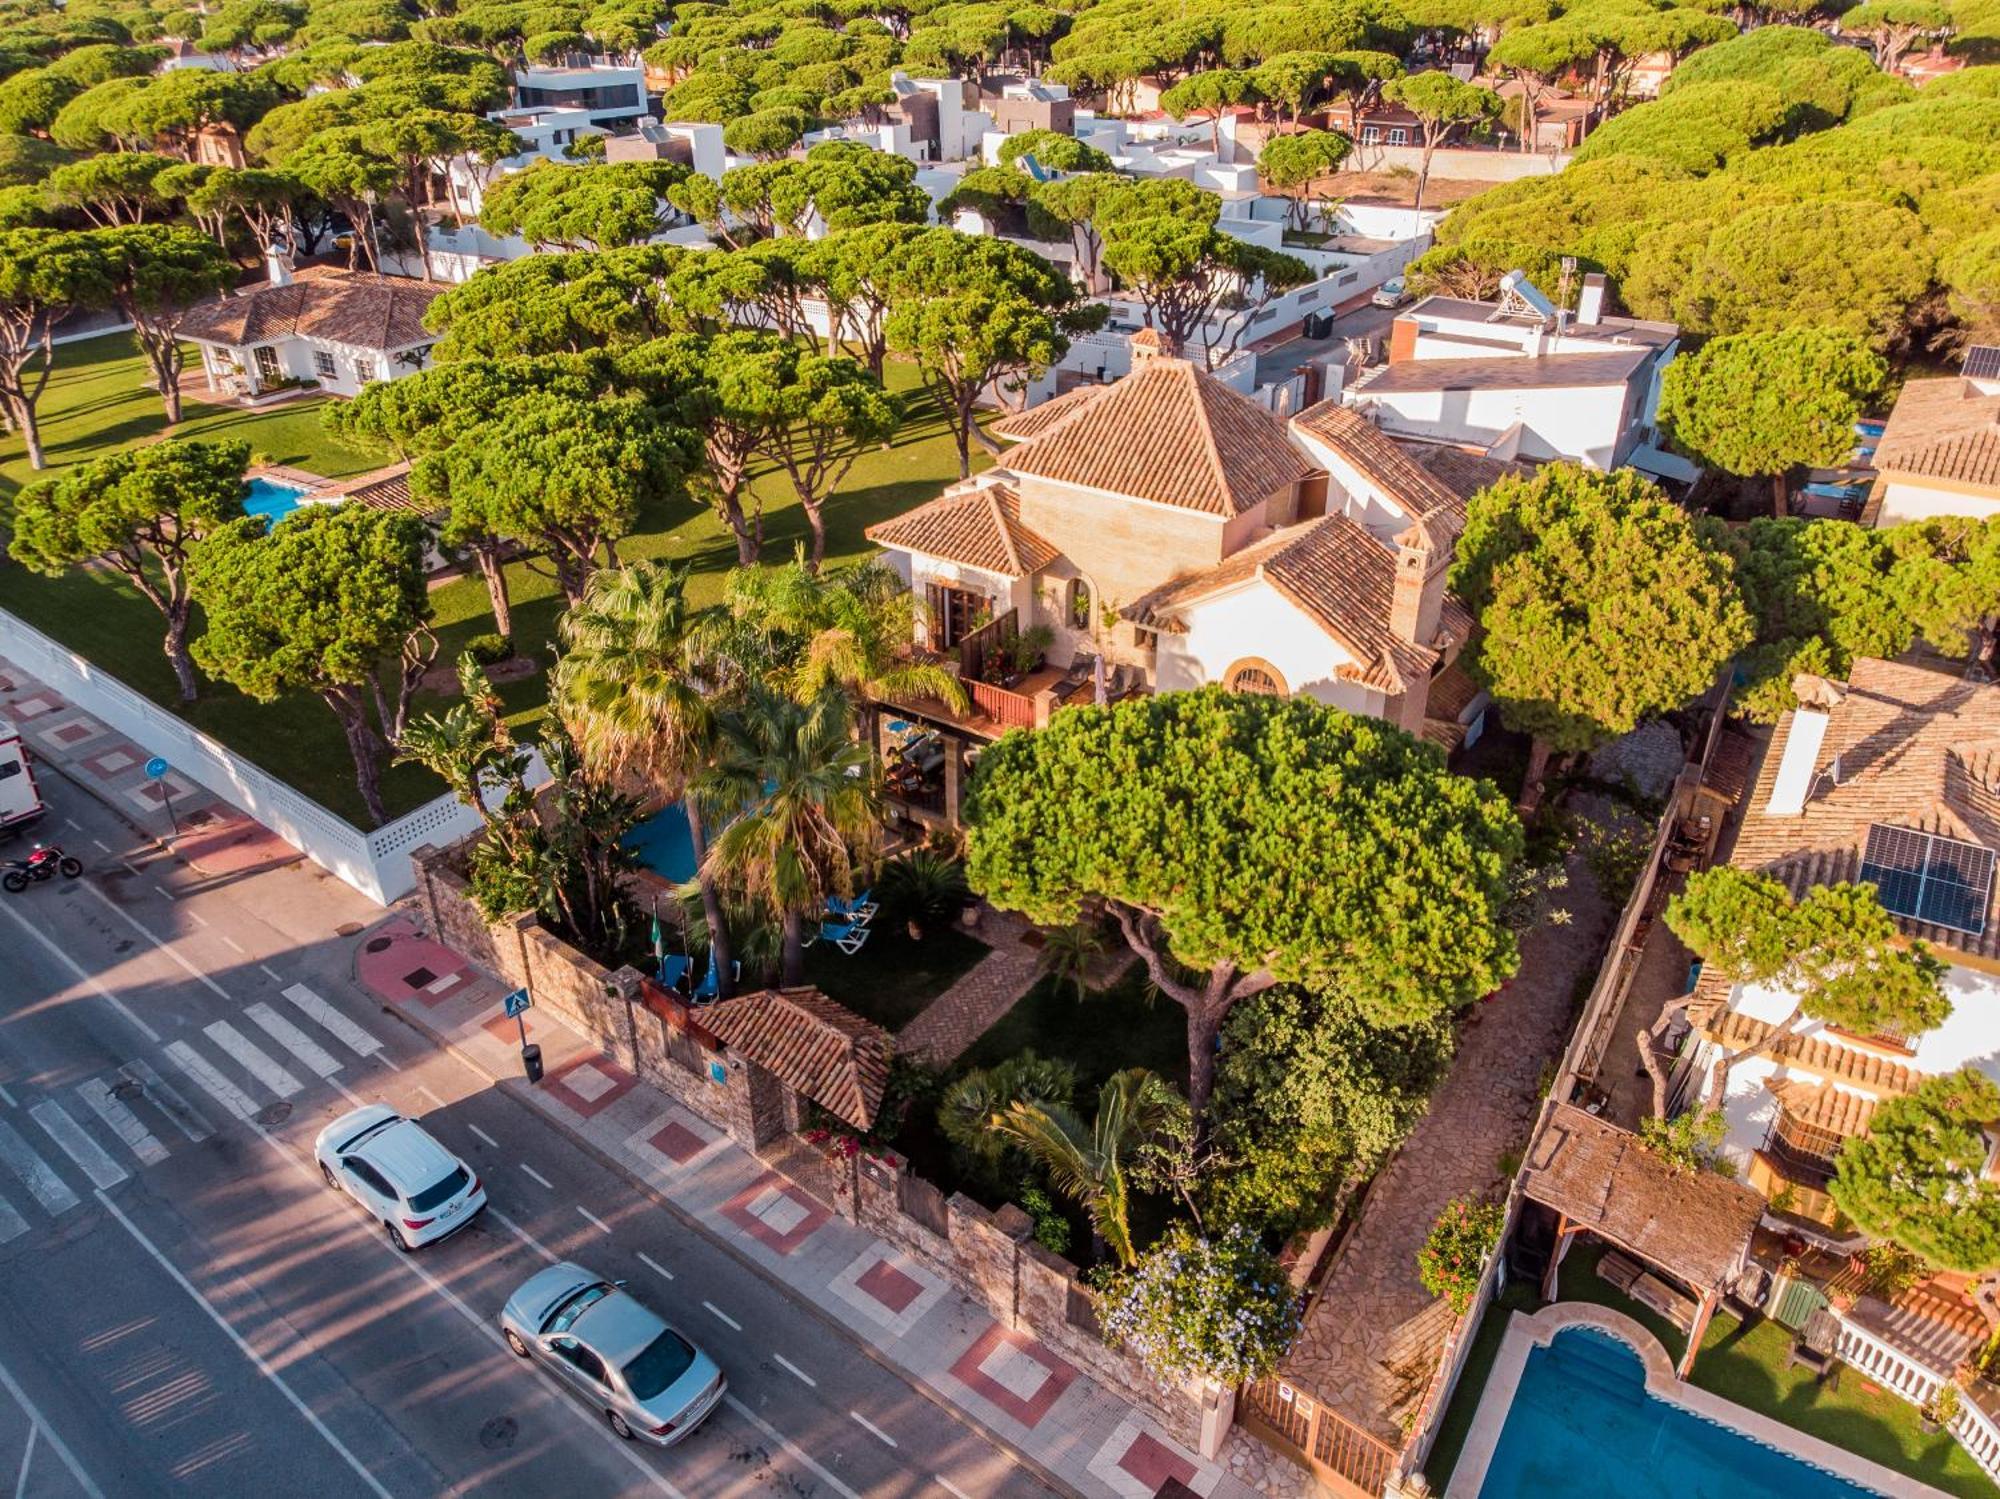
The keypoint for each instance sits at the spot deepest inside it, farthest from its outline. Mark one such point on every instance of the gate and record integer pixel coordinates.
(1353, 1463)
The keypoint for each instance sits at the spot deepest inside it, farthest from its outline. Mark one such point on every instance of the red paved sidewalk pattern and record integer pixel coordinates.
(1014, 1372)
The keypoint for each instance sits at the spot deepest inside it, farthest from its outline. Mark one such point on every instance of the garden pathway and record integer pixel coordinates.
(989, 989)
(1373, 1336)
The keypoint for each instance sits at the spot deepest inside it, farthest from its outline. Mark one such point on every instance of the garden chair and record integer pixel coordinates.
(1814, 1348)
(710, 987)
(860, 908)
(848, 936)
(674, 971)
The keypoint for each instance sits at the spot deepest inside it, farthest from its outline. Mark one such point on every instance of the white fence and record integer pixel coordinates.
(377, 864)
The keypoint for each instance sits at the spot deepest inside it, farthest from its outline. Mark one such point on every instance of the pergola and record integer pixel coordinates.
(1694, 1226)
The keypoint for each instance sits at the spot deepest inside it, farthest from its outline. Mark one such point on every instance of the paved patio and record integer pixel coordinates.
(986, 991)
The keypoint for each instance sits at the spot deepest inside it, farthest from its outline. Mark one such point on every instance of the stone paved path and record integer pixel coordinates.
(1372, 1338)
(967, 1010)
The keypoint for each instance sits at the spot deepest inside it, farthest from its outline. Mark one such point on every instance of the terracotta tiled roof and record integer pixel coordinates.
(1825, 1106)
(1419, 492)
(1464, 472)
(1695, 1225)
(1933, 1327)
(383, 489)
(348, 307)
(1453, 690)
(980, 528)
(1505, 372)
(1024, 426)
(1170, 433)
(1943, 429)
(812, 1045)
(1916, 749)
(1813, 1052)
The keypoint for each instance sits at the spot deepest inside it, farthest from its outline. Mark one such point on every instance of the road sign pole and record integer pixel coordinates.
(156, 770)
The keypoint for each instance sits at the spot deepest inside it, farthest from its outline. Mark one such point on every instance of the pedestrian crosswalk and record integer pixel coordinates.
(104, 1128)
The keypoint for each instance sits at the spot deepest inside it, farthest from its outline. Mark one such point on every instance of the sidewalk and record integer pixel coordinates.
(205, 832)
(1077, 1435)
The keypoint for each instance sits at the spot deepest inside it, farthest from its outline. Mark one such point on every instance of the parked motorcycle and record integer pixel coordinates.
(44, 863)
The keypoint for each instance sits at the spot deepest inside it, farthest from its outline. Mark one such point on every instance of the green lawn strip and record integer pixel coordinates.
(1578, 1280)
(892, 979)
(96, 402)
(1100, 1035)
(1471, 1384)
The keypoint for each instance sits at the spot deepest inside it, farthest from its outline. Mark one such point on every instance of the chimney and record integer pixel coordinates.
(278, 263)
(1418, 598)
(1590, 302)
(1803, 740)
(1147, 344)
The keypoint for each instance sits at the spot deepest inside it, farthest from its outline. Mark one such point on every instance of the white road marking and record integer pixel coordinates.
(253, 1059)
(76, 1143)
(538, 1176)
(788, 1444)
(655, 1265)
(82, 976)
(243, 1347)
(521, 1233)
(949, 1487)
(327, 1018)
(294, 1040)
(722, 1316)
(187, 1119)
(602, 1226)
(72, 824)
(232, 944)
(50, 1190)
(4, 1094)
(123, 1122)
(794, 1370)
(871, 1428)
(102, 844)
(39, 1422)
(211, 1082)
(147, 932)
(12, 1224)
(164, 891)
(435, 1100)
(195, 916)
(383, 1058)
(133, 868)
(484, 1136)
(271, 973)
(27, 1460)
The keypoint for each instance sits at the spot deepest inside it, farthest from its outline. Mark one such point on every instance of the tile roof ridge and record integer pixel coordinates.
(1008, 542)
(1217, 467)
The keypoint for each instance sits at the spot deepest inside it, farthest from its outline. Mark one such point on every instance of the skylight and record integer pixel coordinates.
(1928, 878)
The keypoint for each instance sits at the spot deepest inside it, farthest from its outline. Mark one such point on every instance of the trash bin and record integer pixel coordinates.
(531, 1061)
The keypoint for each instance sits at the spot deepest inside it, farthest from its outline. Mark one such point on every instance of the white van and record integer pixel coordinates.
(20, 800)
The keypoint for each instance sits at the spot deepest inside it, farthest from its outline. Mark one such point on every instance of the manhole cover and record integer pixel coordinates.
(275, 1115)
(377, 944)
(499, 1433)
(418, 978)
(128, 1089)
(347, 929)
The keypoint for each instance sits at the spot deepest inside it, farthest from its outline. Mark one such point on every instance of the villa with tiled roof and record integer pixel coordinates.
(1940, 451)
(1170, 532)
(1892, 778)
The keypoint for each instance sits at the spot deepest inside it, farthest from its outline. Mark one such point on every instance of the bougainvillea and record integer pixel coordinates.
(1451, 1259)
(1204, 1308)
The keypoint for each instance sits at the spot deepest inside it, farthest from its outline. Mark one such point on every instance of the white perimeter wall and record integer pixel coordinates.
(1903, 501)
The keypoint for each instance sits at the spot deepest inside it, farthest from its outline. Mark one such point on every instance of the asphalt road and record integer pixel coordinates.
(186, 1309)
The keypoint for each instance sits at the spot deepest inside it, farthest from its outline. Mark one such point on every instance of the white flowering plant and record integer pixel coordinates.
(1195, 1307)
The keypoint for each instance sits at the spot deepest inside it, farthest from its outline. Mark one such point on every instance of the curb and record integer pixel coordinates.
(519, 1089)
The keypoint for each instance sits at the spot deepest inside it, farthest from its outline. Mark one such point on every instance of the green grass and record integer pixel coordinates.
(1743, 1362)
(892, 979)
(1100, 1035)
(96, 402)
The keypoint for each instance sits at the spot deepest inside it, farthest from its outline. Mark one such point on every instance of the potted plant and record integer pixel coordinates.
(1941, 1409)
(924, 889)
(1027, 649)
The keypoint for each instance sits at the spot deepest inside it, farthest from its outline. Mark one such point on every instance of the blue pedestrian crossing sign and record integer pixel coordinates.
(517, 1002)
(156, 768)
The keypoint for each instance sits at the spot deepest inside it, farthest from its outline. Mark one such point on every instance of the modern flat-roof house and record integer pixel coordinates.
(1940, 451)
(611, 94)
(1164, 531)
(1519, 379)
(343, 329)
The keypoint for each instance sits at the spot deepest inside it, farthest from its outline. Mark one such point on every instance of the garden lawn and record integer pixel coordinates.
(97, 402)
(1105, 1033)
(892, 979)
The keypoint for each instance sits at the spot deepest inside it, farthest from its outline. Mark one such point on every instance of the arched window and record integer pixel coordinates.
(1256, 676)
(1076, 605)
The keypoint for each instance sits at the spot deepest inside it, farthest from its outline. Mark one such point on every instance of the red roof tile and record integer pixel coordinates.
(812, 1045)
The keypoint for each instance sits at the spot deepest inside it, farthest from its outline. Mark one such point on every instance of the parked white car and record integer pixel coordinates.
(416, 1189)
(1391, 293)
(652, 1384)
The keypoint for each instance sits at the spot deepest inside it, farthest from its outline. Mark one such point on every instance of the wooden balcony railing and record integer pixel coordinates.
(1007, 708)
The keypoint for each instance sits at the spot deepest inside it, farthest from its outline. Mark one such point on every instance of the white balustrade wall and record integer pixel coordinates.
(377, 864)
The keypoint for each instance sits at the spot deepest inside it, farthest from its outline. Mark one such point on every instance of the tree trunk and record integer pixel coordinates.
(23, 413)
(711, 901)
(1204, 1025)
(1658, 1074)
(1718, 1083)
(177, 653)
(1778, 495)
(749, 540)
(816, 523)
(490, 568)
(166, 369)
(366, 747)
(959, 435)
(792, 966)
(1531, 783)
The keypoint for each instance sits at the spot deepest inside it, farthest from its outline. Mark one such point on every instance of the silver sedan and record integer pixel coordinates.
(652, 1384)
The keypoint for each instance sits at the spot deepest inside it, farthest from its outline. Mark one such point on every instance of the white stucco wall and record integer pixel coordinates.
(1581, 423)
(1255, 621)
(1004, 593)
(1905, 500)
(1351, 493)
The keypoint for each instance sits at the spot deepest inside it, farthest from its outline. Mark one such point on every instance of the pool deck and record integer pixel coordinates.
(1529, 1331)
(277, 473)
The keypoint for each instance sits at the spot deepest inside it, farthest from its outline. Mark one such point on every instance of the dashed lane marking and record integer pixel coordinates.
(789, 1445)
(721, 1316)
(436, 1102)
(151, 936)
(271, 973)
(484, 1136)
(82, 976)
(538, 1176)
(871, 1428)
(794, 1370)
(602, 1226)
(655, 1265)
(232, 944)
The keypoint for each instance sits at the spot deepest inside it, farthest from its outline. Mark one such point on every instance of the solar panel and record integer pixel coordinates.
(1928, 878)
(1982, 362)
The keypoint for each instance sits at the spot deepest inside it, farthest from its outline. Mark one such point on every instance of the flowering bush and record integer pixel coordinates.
(1200, 1308)
(1460, 1240)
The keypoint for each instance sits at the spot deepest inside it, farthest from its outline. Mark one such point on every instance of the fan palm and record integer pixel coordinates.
(804, 797)
(632, 687)
(1094, 1166)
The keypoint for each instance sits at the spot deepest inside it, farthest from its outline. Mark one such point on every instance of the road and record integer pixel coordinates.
(185, 1308)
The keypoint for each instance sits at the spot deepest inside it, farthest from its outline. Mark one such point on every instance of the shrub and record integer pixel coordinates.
(489, 649)
(1051, 1228)
(1204, 1308)
(924, 890)
(1688, 1142)
(1454, 1254)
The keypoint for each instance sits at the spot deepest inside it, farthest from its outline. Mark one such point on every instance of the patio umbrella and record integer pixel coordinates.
(659, 943)
(1097, 683)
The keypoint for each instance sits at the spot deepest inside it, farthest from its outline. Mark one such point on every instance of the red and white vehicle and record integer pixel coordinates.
(20, 799)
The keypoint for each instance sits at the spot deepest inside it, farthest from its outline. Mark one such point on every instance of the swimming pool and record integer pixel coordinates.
(1582, 1420)
(274, 499)
(664, 844)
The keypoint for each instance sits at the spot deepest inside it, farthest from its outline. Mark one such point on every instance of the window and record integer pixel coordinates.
(954, 614)
(369, 1177)
(1805, 1152)
(11, 769)
(323, 365)
(1399, 136)
(1370, 135)
(1256, 678)
(1076, 604)
(1928, 878)
(564, 1317)
(268, 368)
(658, 1365)
(581, 1359)
(438, 1193)
(364, 370)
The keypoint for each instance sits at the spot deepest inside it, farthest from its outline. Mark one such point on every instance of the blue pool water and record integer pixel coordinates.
(273, 499)
(1582, 1422)
(664, 844)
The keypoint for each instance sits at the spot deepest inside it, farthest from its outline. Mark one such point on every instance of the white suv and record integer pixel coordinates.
(419, 1191)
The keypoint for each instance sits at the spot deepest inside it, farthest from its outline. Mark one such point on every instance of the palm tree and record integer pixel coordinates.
(1095, 1166)
(805, 800)
(633, 689)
